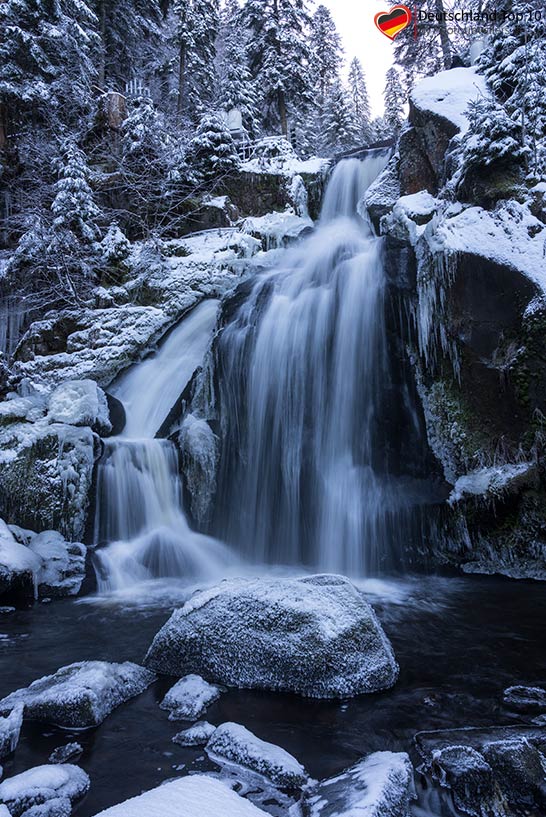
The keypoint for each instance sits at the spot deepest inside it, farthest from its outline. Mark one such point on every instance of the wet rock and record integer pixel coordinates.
(525, 699)
(10, 728)
(64, 754)
(470, 778)
(80, 695)
(189, 698)
(520, 770)
(43, 785)
(19, 566)
(196, 735)
(316, 636)
(380, 785)
(233, 743)
(187, 797)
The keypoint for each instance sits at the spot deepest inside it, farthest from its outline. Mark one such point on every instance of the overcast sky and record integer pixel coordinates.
(354, 21)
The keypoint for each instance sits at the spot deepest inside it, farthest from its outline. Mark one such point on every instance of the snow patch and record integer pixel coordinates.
(448, 93)
(189, 698)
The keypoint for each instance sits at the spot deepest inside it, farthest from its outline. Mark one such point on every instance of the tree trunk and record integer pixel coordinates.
(181, 78)
(282, 113)
(102, 62)
(444, 36)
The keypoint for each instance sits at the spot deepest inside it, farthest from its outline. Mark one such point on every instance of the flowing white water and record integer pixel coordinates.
(304, 475)
(139, 511)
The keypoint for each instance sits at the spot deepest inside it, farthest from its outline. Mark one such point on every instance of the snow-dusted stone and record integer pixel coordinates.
(525, 699)
(200, 454)
(187, 797)
(46, 472)
(470, 778)
(65, 754)
(189, 698)
(380, 785)
(63, 569)
(22, 408)
(233, 743)
(196, 735)
(10, 729)
(448, 93)
(494, 482)
(519, 769)
(276, 230)
(80, 695)
(382, 194)
(58, 807)
(80, 403)
(19, 566)
(41, 785)
(316, 636)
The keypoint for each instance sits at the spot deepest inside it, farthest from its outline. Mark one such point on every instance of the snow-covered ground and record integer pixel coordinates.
(448, 93)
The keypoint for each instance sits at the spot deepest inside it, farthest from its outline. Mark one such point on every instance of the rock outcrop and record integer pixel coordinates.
(315, 636)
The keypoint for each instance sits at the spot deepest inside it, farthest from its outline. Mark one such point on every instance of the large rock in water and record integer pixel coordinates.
(55, 786)
(316, 636)
(80, 695)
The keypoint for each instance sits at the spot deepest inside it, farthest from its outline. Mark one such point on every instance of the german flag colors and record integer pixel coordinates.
(390, 23)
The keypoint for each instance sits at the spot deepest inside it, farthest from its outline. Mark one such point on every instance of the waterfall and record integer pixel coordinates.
(139, 512)
(303, 384)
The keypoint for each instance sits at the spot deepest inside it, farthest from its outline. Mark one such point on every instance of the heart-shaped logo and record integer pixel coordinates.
(390, 23)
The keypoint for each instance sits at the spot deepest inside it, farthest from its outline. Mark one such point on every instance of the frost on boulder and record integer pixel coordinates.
(233, 743)
(19, 566)
(187, 797)
(80, 695)
(10, 729)
(189, 698)
(196, 735)
(316, 636)
(380, 785)
(41, 786)
(200, 454)
(80, 403)
(62, 569)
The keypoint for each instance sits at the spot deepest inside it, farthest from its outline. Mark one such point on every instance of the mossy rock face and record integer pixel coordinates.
(415, 169)
(486, 186)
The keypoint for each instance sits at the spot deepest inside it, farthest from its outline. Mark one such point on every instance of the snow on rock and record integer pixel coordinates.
(46, 471)
(233, 743)
(58, 807)
(275, 155)
(448, 93)
(524, 699)
(62, 568)
(196, 735)
(187, 797)
(200, 454)
(10, 729)
(4, 809)
(509, 235)
(64, 754)
(276, 230)
(80, 403)
(22, 408)
(19, 566)
(316, 636)
(80, 695)
(470, 778)
(417, 205)
(383, 192)
(41, 785)
(492, 482)
(380, 785)
(189, 698)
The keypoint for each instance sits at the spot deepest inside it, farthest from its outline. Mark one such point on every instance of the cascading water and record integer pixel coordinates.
(303, 379)
(139, 512)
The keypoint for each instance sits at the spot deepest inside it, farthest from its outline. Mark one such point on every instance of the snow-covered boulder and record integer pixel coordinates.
(380, 785)
(525, 699)
(57, 807)
(448, 93)
(10, 729)
(196, 735)
(80, 695)
(62, 568)
(383, 192)
(19, 566)
(187, 797)
(233, 743)
(200, 454)
(46, 472)
(277, 230)
(80, 403)
(70, 753)
(41, 786)
(470, 778)
(316, 636)
(189, 698)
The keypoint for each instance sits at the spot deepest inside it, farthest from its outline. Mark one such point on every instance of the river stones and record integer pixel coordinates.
(44, 790)
(189, 698)
(80, 695)
(10, 728)
(233, 743)
(316, 636)
(380, 785)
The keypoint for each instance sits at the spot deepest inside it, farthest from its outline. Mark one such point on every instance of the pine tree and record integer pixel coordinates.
(428, 49)
(394, 101)
(360, 103)
(339, 125)
(195, 26)
(327, 53)
(279, 57)
(74, 207)
(211, 153)
(235, 86)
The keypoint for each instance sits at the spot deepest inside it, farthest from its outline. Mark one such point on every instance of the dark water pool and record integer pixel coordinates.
(459, 643)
